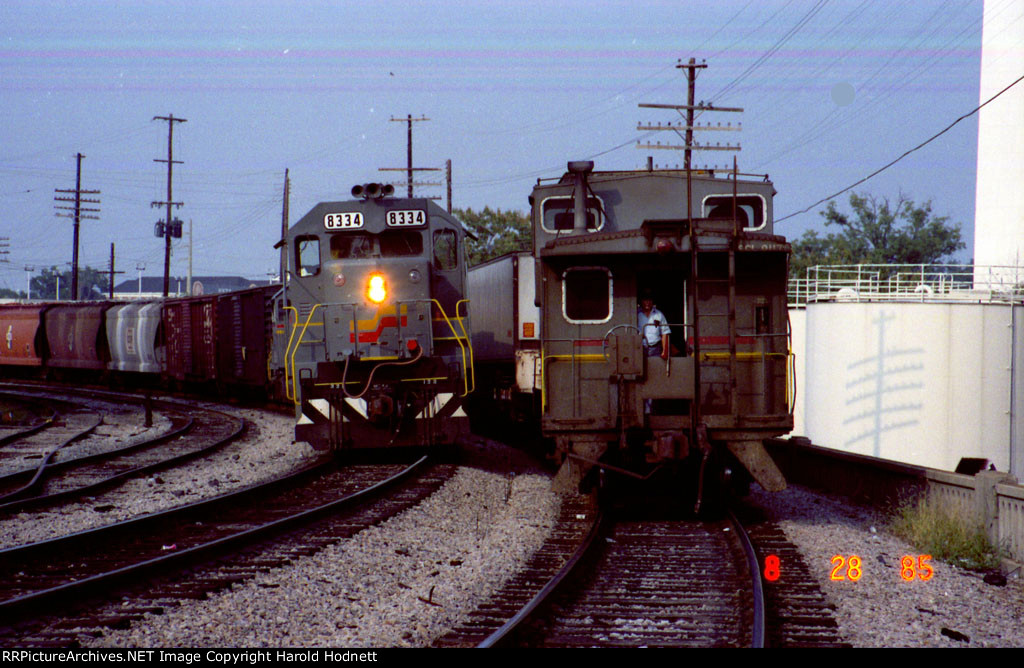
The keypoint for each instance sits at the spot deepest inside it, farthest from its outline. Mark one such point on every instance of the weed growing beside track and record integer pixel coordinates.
(945, 533)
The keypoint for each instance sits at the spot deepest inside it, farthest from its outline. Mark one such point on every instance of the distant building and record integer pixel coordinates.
(152, 287)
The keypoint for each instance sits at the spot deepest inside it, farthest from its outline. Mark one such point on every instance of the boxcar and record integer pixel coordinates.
(190, 332)
(243, 345)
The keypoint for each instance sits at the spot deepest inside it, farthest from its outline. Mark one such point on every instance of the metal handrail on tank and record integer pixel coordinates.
(937, 283)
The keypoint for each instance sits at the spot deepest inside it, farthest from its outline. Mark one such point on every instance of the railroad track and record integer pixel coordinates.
(23, 419)
(191, 432)
(152, 562)
(656, 584)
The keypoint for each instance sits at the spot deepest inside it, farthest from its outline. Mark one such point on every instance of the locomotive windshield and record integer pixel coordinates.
(389, 243)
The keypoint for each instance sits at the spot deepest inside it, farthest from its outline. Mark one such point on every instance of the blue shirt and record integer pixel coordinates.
(652, 326)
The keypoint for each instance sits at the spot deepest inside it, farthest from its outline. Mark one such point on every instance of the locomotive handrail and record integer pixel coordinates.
(287, 349)
(469, 342)
(302, 335)
(466, 370)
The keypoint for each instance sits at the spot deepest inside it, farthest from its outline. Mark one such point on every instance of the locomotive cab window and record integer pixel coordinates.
(390, 243)
(307, 255)
(446, 250)
(587, 295)
(401, 243)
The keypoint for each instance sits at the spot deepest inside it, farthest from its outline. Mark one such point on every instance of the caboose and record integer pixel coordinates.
(693, 402)
(371, 333)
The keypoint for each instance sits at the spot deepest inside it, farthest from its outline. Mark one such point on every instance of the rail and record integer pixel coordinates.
(944, 283)
(552, 585)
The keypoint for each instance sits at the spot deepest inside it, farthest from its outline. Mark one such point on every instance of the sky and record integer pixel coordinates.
(512, 90)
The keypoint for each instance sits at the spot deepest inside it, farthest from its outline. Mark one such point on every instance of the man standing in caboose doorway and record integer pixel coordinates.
(653, 327)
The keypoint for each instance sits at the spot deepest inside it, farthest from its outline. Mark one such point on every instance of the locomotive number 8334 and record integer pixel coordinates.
(371, 332)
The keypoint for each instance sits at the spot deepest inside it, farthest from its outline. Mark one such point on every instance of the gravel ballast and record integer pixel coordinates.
(399, 584)
(881, 609)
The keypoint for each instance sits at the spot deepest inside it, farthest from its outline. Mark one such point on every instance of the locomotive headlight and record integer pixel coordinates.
(376, 288)
(414, 275)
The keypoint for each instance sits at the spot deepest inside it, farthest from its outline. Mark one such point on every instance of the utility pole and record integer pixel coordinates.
(284, 230)
(188, 286)
(409, 169)
(111, 271)
(139, 267)
(690, 107)
(79, 214)
(28, 281)
(448, 172)
(169, 225)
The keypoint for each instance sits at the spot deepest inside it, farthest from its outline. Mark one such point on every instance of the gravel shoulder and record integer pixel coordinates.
(881, 609)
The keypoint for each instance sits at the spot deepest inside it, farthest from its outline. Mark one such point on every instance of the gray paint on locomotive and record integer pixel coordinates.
(365, 371)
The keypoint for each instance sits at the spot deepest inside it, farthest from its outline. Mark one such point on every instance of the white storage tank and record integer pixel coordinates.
(925, 383)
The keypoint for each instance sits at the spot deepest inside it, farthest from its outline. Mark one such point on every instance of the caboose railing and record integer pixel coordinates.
(760, 357)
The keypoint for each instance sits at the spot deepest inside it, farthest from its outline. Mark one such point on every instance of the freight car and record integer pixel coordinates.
(372, 330)
(616, 403)
(220, 342)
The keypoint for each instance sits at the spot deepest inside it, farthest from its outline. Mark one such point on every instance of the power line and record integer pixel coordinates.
(905, 154)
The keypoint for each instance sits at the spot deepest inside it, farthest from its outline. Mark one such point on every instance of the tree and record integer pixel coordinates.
(498, 232)
(91, 284)
(878, 232)
(7, 293)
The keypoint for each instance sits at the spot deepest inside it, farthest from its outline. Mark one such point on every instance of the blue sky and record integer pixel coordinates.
(513, 90)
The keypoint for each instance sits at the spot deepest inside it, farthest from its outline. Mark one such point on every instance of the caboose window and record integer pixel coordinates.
(557, 214)
(307, 255)
(751, 210)
(587, 295)
(446, 250)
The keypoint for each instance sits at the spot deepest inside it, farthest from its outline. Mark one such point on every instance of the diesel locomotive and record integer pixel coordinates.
(689, 405)
(372, 328)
